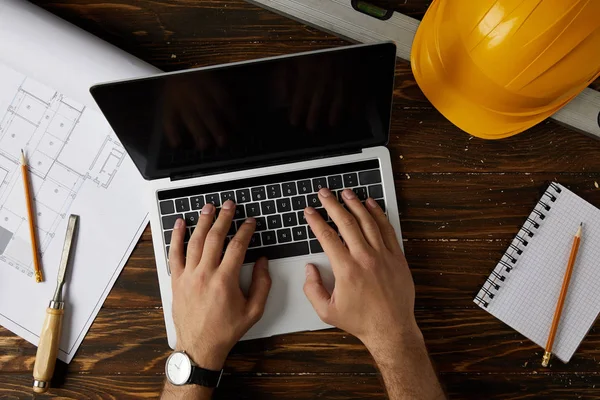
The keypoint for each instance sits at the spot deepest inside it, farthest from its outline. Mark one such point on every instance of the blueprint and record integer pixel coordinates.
(76, 166)
(48, 126)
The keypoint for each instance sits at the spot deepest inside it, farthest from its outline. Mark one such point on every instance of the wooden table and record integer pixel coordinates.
(461, 199)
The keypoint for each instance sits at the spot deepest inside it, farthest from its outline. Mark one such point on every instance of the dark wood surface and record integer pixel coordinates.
(461, 200)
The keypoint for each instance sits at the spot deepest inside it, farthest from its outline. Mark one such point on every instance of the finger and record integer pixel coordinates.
(258, 291)
(346, 223)
(176, 256)
(388, 233)
(213, 245)
(369, 227)
(327, 237)
(316, 293)
(237, 247)
(196, 243)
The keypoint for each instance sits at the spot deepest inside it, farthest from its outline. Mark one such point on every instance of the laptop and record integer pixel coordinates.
(268, 134)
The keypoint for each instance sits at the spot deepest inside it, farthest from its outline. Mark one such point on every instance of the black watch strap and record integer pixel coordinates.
(205, 377)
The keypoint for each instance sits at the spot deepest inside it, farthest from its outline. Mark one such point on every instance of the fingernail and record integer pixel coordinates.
(348, 194)
(307, 269)
(263, 265)
(325, 192)
(228, 205)
(372, 203)
(208, 209)
(179, 223)
(309, 210)
(249, 220)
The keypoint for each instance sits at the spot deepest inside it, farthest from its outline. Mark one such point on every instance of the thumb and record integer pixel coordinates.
(259, 290)
(316, 293)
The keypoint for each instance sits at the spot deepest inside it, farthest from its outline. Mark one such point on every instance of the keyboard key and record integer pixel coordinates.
(323, 213)
(261, 224)
(299, 202)
(315, 247)
(167, 251)
(182, 205)
(279, 251)
(168, 235)
(197, 202)
(319, 183)
(368, 177)
(274, 191)
(311, 234)
(313, 200)
(284, 235)
(304, 187)
(168, 221)
(227, 196)
(167, 207)
(268, 207)
(213, 199)
(289, 189)
(301, 219)
(299, 233)
(232, 229)
(335, 182)
(242, 196)
(361, 193)
(239, 212)
(376, 191)
(284, 205)
(186, 237)
(350, 180)
(289, 219)
(269, 238)
(252, 209)
(274, 221)
(191, 218)
(258, 193)
(381, 203)
(255, 240)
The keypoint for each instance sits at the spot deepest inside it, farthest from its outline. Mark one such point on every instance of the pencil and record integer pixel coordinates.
(561, 297)
(30, 215)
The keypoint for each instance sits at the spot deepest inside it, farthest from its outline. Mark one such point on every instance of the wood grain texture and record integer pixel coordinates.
(461, 200)
(319, 386)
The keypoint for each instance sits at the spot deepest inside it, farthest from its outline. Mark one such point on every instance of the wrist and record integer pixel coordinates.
(207, 357)
(391, 347)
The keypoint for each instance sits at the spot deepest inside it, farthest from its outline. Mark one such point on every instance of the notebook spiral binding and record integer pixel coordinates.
(519, 244)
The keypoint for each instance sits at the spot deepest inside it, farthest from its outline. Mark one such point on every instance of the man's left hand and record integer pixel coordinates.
(210, 311)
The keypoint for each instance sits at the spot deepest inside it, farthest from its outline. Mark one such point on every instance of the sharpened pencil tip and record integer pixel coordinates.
(581, 224)
(22, 157)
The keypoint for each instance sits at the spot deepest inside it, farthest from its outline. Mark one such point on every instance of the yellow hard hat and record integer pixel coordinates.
(497, 67)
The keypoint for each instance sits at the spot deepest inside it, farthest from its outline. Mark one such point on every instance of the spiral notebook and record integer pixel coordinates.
(523, 289)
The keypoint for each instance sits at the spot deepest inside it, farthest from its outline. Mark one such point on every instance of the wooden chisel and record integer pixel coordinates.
(45, 358)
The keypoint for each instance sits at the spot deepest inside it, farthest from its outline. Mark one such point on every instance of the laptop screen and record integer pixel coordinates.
(253, 113)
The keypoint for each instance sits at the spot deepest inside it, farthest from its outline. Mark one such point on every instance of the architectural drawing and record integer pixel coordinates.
(51, 128)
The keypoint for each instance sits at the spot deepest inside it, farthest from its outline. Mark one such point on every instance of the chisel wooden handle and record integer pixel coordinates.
(45, 358)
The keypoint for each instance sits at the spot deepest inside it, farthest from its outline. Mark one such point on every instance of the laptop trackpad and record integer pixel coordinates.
(288, 309)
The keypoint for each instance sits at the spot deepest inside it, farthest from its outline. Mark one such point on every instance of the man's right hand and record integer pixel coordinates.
(374, 293)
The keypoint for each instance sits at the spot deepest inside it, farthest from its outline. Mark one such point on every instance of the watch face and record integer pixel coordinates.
(179, 368)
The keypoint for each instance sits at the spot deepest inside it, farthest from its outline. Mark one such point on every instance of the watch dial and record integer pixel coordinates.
(179, 368)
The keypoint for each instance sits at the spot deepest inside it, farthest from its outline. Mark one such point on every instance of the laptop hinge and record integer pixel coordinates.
(261, 164)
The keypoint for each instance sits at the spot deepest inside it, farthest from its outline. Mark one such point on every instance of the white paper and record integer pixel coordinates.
(77, 167)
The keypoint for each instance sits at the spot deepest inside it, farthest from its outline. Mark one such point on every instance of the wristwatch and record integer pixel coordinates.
(181, 370)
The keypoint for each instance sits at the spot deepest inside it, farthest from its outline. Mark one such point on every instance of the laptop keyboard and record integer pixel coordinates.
(277, 203)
